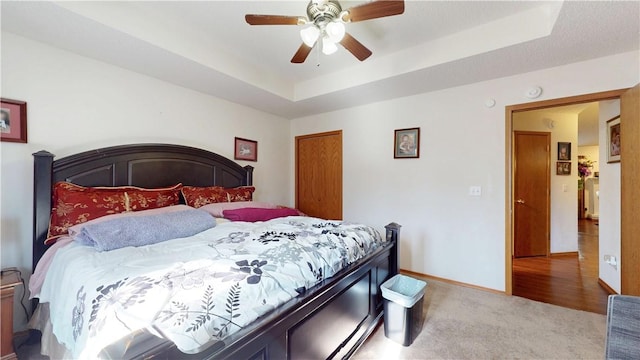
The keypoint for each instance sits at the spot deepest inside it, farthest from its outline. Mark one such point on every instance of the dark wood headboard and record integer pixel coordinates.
(143, 165)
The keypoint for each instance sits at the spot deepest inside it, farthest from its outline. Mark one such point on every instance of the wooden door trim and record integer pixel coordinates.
(630, 202)
(509, 111)
(547, 135)
(308, 136)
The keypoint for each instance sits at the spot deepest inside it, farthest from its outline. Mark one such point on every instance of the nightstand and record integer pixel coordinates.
(8, 282)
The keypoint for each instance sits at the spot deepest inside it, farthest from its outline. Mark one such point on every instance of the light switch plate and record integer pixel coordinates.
(475, 190)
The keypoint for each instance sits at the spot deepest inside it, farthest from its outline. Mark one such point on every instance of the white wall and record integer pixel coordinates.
(77, 104)
(446, 232)
(564, 188)
(610, 194)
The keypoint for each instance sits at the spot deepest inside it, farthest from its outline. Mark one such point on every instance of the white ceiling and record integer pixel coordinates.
(208, 47)
(588, 120)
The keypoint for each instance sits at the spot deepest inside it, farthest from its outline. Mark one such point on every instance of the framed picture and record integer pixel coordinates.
(246, 150)
(13, 120)
(564, 151)
(563, 168)
(613, 140)
(406, 143)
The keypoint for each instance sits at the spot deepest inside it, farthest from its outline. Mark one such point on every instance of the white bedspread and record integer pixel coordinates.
(197, 290)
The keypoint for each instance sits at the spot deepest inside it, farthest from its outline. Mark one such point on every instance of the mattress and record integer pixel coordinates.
(194, 291)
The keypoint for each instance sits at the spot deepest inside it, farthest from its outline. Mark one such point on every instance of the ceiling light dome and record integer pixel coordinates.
(335, 30)
(310, 35)
(328, 46)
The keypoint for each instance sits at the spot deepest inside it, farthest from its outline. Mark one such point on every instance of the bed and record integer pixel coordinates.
(350, 300)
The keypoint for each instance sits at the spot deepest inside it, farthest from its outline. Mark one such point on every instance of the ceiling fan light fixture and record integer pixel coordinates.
(328, 46)
(325, 21)
(335, 30)
(310, 35)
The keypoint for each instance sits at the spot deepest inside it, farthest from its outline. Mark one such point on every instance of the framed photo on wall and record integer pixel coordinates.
(564, 151)
(245, 149)
(563, 168)
(13, 120)
(613, 140)
(406, 143)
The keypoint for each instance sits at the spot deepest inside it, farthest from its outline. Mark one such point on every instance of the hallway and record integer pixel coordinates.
(566, 280)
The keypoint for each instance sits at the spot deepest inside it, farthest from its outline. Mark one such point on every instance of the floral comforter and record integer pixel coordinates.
(194, 291)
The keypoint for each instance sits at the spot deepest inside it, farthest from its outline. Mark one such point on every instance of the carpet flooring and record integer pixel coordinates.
(465, 323)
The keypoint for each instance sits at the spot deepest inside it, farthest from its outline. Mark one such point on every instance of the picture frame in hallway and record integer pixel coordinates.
(563, 168)
(613, 140)
(406, 143)
(245, 149)
(13, 123)
(564, 151)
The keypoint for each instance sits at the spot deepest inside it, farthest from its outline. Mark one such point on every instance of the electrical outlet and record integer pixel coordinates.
(475, 190)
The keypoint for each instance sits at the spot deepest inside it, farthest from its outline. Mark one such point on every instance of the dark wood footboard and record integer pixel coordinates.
(332, 320)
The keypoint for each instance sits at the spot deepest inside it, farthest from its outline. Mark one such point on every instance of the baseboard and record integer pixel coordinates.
(567, 253)
(606, 286)
(453, 282)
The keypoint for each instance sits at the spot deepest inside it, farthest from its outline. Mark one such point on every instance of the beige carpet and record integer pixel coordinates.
(464, 323)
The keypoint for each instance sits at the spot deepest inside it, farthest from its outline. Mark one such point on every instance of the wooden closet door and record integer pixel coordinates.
(319, 174)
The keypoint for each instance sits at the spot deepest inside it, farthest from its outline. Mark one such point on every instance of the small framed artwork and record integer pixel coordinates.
(245, 149)
(564, 151)
(613, 140)
(13, 120)
(406, 143)
(563, 168)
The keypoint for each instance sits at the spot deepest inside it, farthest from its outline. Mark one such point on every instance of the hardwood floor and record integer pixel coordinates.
(566, 280)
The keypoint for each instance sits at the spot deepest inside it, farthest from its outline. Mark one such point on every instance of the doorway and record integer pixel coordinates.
(559, 264)
(567, 258)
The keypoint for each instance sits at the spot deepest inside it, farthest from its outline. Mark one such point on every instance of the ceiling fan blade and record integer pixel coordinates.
(252, 19)
(301, 55)
(374, 10)
(355, 47)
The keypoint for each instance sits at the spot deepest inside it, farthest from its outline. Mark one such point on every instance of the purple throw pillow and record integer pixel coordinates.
(257, 214)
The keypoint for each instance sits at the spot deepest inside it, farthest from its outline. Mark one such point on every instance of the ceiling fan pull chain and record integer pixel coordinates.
(318, 51)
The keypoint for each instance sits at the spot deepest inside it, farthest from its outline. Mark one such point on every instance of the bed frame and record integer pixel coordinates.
(331, 320)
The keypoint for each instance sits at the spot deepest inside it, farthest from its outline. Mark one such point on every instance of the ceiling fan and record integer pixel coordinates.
(324, 25)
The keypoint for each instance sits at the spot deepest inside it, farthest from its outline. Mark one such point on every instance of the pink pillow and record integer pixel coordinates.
(286, 207)
(216, 209)
(257, 214)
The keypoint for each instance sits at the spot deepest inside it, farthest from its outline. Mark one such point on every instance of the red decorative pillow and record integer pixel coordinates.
(257, 214)
(198, 196)
(242, 193)
(74, 204)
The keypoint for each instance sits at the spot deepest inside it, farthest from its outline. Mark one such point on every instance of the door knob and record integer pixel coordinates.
(520, 201)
